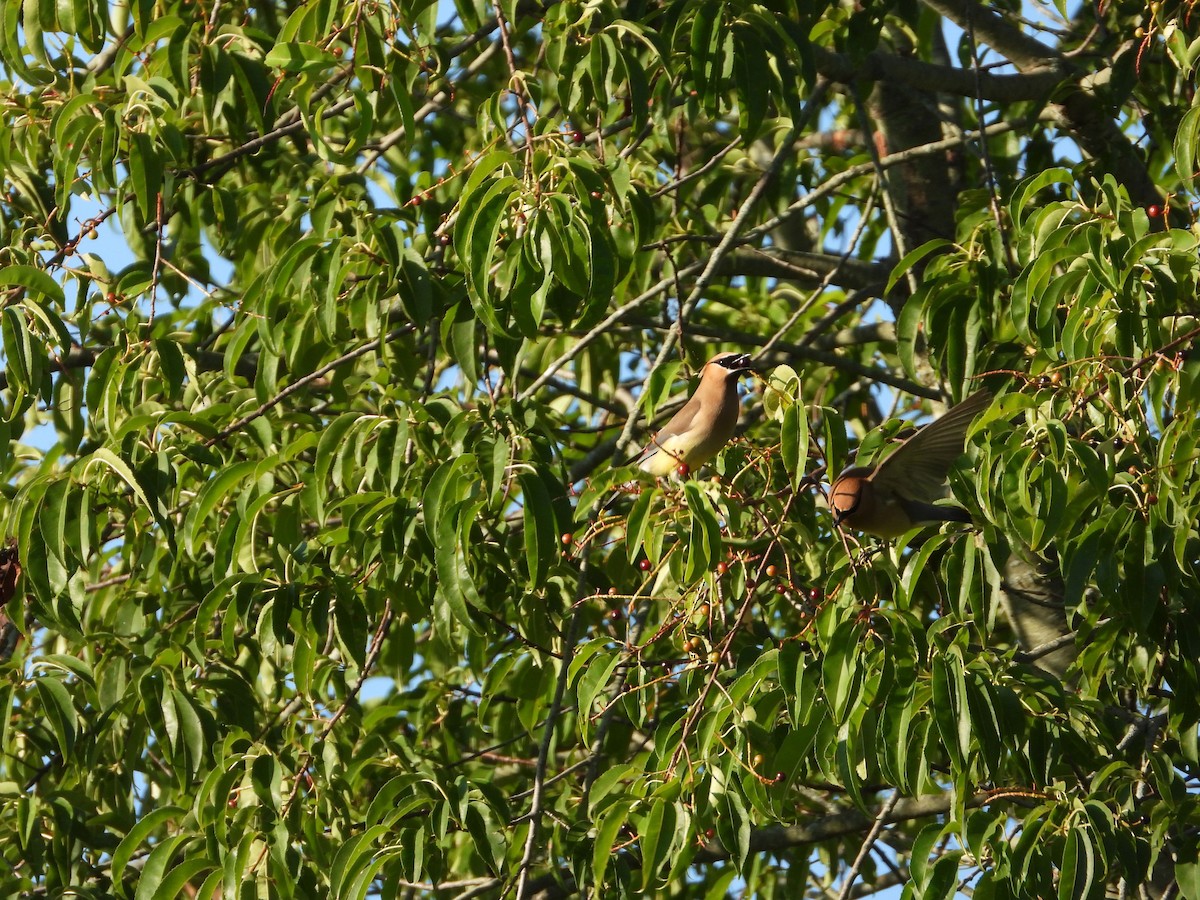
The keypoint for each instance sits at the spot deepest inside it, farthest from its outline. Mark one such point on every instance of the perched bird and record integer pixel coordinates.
(705, 424)
(897, 494)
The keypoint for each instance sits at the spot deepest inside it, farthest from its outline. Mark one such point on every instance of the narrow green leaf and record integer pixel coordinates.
(594, 679)
(148, 825)
(655, 835)
(182, 874)
(794, 438)
(541, 533)
(158, 864)
(733, 828)
(145, 173)
(606, 836)
(60, 710)
(1078, 870)
(213, 493)
(910, 259)
(34, 280)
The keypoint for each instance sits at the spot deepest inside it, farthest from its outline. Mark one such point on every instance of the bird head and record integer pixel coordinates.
(731, 364)
(850, 494)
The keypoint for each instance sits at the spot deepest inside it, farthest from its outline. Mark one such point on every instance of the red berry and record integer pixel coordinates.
(683, 470)
(722, 568)
(814, 594)
(771, 570)
(644, 565)
(780, 778)
(781, 588)
(1152, 499)
(567, 539)
(577, 137)
(709, 833)
(1154, 210)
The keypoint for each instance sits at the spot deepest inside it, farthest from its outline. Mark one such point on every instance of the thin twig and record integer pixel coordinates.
(536, 804)
(867, 844)
(899, 240)
(985, 154)
(816, 292)
(308, 379)
(603, 327)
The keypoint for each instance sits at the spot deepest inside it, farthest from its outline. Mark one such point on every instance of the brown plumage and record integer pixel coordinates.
(897, 494)
(696, 433)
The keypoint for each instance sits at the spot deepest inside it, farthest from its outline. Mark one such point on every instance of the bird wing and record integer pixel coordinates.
(679, 424)
(918, 469)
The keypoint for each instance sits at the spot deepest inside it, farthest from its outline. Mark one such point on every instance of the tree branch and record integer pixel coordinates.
(783, 837)
(881, 66)
(1080, 112)
(308, 379)
(536, 804)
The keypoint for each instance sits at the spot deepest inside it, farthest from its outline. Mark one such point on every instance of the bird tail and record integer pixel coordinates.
(928, 513)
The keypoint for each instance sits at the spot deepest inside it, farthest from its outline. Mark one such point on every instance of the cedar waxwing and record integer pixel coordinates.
(705, 424)
(897, 494)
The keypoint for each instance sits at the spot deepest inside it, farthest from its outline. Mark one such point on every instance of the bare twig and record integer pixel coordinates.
(537, 802)
(308, 379)
(867, 844)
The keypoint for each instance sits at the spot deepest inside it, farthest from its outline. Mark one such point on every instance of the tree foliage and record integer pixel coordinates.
(307, 457)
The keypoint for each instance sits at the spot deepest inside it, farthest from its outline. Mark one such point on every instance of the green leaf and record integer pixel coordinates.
(455, 584)
(733, 829)
(180, 876)
(213, 493)
(910, 259)
(655, 834)
(793, 435)
(354, 855)
(35, 280)
(704, 544)
(1078, 875)
(841, 672)
(146, 173)
(638, 521)
(950, 708)
(60, 710)
(298, 58)
(541, 531)
(595, 678)
(781, 392)
(1187, 877)
(158, 865)
(148, 825)
(1187, 145)
(606, 837)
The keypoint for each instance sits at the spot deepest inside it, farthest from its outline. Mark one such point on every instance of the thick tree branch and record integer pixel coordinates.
(881, 66)
(783, 837)
(1079, 110)
(794, 265)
